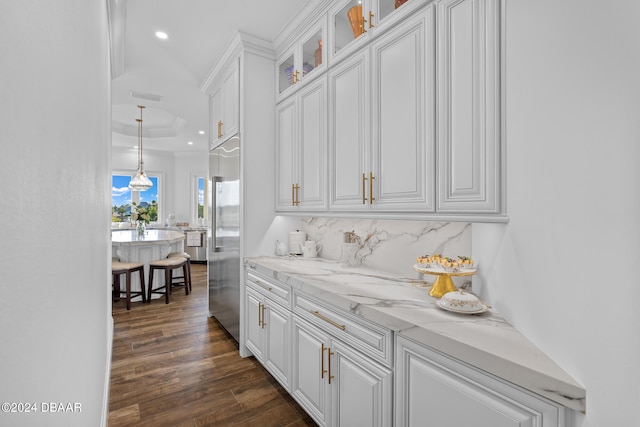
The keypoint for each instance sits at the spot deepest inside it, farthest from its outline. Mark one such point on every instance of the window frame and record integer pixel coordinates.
(135, 195)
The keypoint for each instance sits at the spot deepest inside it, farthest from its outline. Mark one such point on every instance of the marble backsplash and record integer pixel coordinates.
(390, 245)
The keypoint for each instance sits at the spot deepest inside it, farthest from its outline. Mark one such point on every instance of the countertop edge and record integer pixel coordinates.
(545, 378)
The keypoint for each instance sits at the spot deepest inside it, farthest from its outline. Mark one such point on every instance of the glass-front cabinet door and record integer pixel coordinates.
(352, 22)
(348, 26)
(303, 61)
(286, 72)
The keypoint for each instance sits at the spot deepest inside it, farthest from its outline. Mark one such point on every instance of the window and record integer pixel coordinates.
(201, 206)
(199, 198)
(122, 196)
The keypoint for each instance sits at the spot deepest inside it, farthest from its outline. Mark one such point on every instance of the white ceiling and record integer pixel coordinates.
(199, 31)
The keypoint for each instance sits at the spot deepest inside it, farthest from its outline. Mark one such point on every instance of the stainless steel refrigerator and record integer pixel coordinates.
(224, 251)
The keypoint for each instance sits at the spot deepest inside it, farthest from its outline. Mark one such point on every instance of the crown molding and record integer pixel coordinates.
(241, 41)
(306, 17)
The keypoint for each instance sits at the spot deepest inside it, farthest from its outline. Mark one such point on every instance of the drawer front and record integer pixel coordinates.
(273, 290)
(373, 340)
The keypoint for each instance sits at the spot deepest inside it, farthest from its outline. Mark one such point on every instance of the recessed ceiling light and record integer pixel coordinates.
(161, 35)
(190, 142)
(201, 132)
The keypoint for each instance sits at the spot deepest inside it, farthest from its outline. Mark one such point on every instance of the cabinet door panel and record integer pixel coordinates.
(438, 395)
(308, 386)
(431, 386)
(361, 389)
(277, 343)
(253, 327)
(230, 102)
(313, 122)
(469, 125)
(215, 107)
(403, 116)
(286, 152)
(349, 131)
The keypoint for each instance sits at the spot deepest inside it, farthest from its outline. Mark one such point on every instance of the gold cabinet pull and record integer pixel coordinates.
(259, 283)
(259, 314)
(329, 354)
(326, 319)
(364, 191)
(364, 21)
(371, 178)
(371, 15)
(293, 194)
(264, 307)
(297, 196)
(295, 77)
(219, 128)
(322, 370)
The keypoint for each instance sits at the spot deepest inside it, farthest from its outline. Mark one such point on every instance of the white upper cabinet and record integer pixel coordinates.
(382, 122)
(305, 60)
(349, 132)
(413, 110)
(469, 83)
(225, 106)
(352, 23)
(403, 116)
(301, 150)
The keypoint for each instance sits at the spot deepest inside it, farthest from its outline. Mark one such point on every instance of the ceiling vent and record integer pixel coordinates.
(145, 96)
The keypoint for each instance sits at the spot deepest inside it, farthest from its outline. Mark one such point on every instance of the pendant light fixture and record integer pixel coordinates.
(141, 181)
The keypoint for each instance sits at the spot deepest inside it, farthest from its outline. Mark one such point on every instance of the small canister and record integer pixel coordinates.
(296, 241)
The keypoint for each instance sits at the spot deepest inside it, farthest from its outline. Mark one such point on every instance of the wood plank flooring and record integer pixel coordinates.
(174, 366)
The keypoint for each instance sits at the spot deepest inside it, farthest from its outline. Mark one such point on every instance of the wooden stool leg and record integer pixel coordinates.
(115, 296)
(144, 296)
(167, 283)
(128, 285)
(151, 270)
(187, 282)
(189, 274)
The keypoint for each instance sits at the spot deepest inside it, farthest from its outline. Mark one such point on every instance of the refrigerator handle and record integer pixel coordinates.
(214, 217)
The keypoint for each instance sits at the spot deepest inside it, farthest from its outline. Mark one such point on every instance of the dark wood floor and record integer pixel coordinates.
(174, 366)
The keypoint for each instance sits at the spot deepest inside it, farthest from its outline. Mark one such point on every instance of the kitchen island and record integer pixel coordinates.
(129, 246)
(485, 342)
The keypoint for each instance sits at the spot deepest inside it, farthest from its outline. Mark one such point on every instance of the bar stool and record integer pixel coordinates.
(188, 278)
(168, 265)
(117, 269)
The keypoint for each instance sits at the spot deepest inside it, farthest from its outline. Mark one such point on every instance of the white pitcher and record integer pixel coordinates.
(281, 248)
(310, 249)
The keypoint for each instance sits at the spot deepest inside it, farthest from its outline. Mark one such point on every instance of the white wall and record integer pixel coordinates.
(188, 166)
(563, 270)
(55, 306)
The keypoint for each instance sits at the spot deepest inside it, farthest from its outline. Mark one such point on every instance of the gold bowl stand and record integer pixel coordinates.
(443, 282)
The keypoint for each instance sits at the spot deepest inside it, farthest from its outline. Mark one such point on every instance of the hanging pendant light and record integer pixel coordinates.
(141, 181)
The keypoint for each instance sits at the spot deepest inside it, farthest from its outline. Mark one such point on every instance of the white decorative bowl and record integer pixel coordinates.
(462, 302)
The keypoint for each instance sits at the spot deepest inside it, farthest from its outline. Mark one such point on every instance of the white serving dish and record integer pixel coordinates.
(461, 302)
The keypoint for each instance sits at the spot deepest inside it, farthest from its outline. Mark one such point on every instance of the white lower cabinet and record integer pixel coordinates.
(268, 333)
(432, 389)
(309, 385)
(347, 371)
(337, 385)
(362, 390)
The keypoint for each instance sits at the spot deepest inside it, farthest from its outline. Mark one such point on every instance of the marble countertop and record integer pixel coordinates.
(128, 237)
(486, 341)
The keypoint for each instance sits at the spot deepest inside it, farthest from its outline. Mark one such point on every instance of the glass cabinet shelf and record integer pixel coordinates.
(302, 61)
